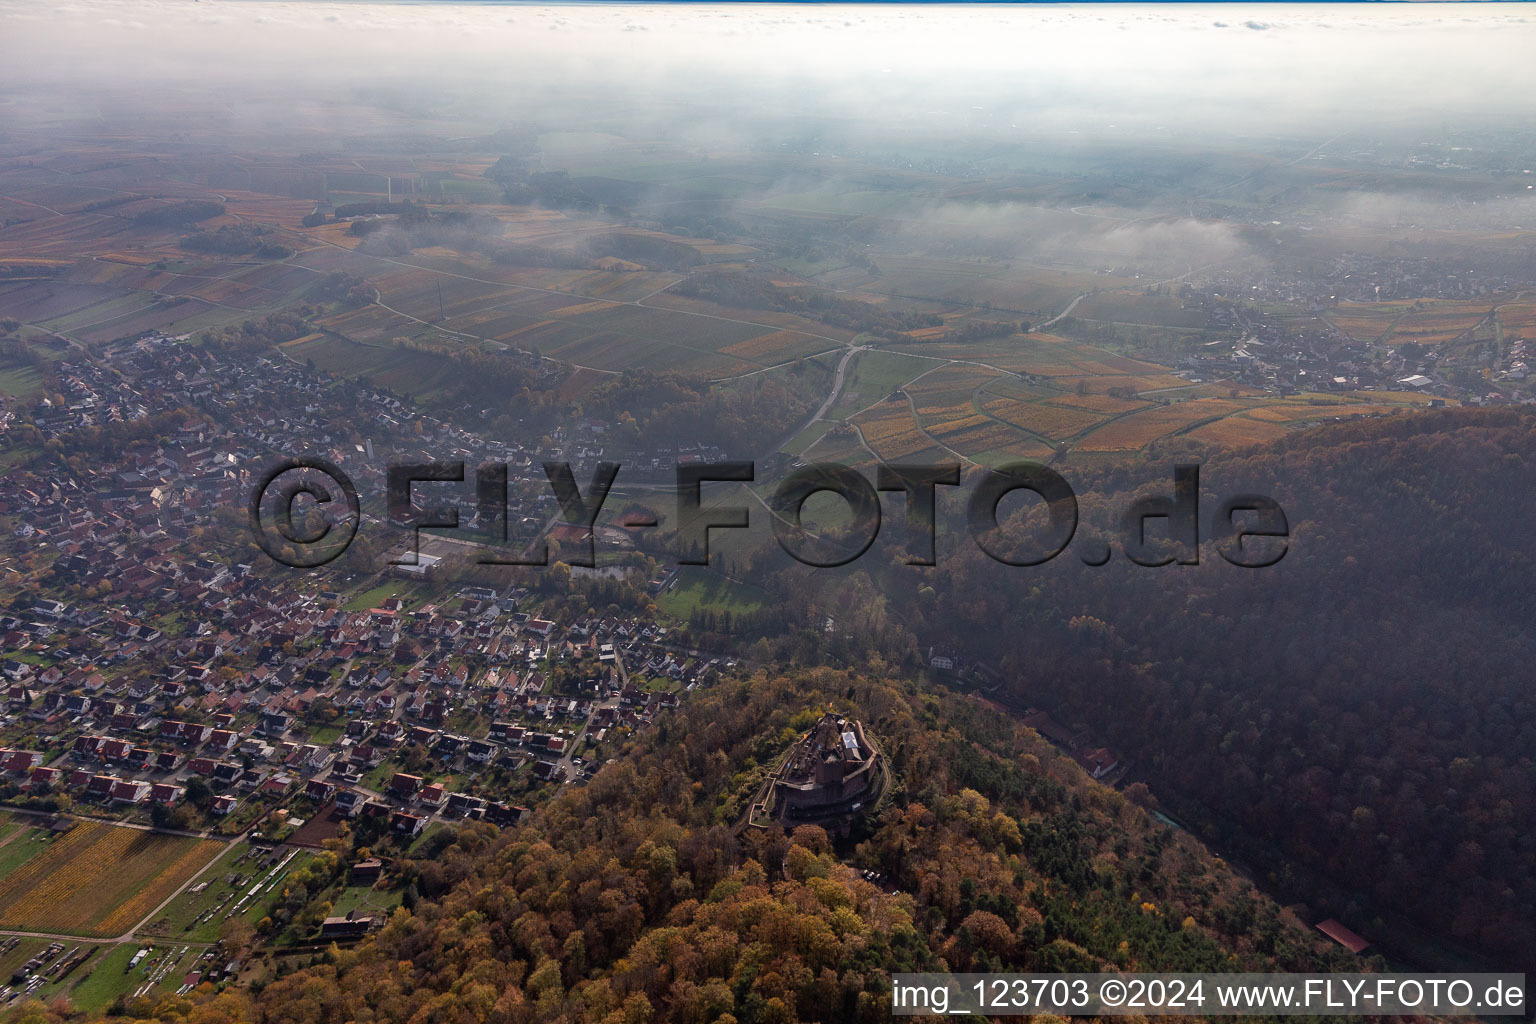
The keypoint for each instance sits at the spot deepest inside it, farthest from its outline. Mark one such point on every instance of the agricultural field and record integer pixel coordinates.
(1136, 430)
(765, 317)
(985, 416)
(1050, 355)
(1004, 286)
(834, 201)
(948, 390)
(840, 443)
(1426, 321)
(1140, 308)
(1088, 388)
(1437, 323)
(98, 879)
(891, 433)
(873, 375)
(453, 191)
(1044, 396)
(953, 412)
(40, 301)
(121, 294)
(1048, 419)
(975, 435)
(1028, 449)
(427, 295)
(1238, 422)
(619, 337)
(683, 173)
(978, 411)
(776, 347)
(1366, 321)
(1238, 431)
(1318, 408)
(419, 374)
(1518, 320)
(172, 316)
(370, 324)
(80, 234)
(588, 318)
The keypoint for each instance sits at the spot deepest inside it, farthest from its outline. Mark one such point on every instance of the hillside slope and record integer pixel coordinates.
(632, 899)
(1364, 708)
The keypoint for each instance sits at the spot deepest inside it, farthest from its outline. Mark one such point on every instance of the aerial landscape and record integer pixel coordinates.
(627, 513)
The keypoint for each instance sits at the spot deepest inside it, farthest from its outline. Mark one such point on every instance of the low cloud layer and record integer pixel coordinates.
(1005, 68)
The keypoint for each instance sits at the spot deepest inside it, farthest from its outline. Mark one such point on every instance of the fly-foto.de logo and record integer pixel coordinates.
(305, 512)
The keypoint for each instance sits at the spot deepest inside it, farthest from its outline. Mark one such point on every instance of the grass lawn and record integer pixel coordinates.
(660, 684)
(810, 268)
(111, 978)
(350, 898)
(18, 455)
(807, 437)
(106, 980)
(29, 842)
(325, 735)
(375, 596)
(365, 900)
(413, 593)
(21, 382)
(378, 778)
(698, 587)
(421, 841)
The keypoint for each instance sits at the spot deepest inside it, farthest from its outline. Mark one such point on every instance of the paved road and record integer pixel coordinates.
(1063, 314)
(122, 824)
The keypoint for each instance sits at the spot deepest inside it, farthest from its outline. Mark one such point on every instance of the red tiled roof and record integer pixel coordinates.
(1343, 936)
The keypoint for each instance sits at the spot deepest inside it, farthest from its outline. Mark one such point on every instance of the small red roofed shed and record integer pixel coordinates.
(1343, 936)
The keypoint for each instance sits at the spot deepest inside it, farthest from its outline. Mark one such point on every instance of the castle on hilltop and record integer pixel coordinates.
(832, 774)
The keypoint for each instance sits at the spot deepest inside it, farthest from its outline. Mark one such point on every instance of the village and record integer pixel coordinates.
(327, 705)
(1412, 326)
(154, 686)
(1274, 355)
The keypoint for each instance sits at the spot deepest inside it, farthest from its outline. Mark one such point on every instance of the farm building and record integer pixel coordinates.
(345, 927)
(367, 872)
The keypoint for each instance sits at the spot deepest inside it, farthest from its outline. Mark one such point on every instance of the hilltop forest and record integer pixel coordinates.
(634, 899)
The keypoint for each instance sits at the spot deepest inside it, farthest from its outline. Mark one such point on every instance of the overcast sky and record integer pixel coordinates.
(1238, 67)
